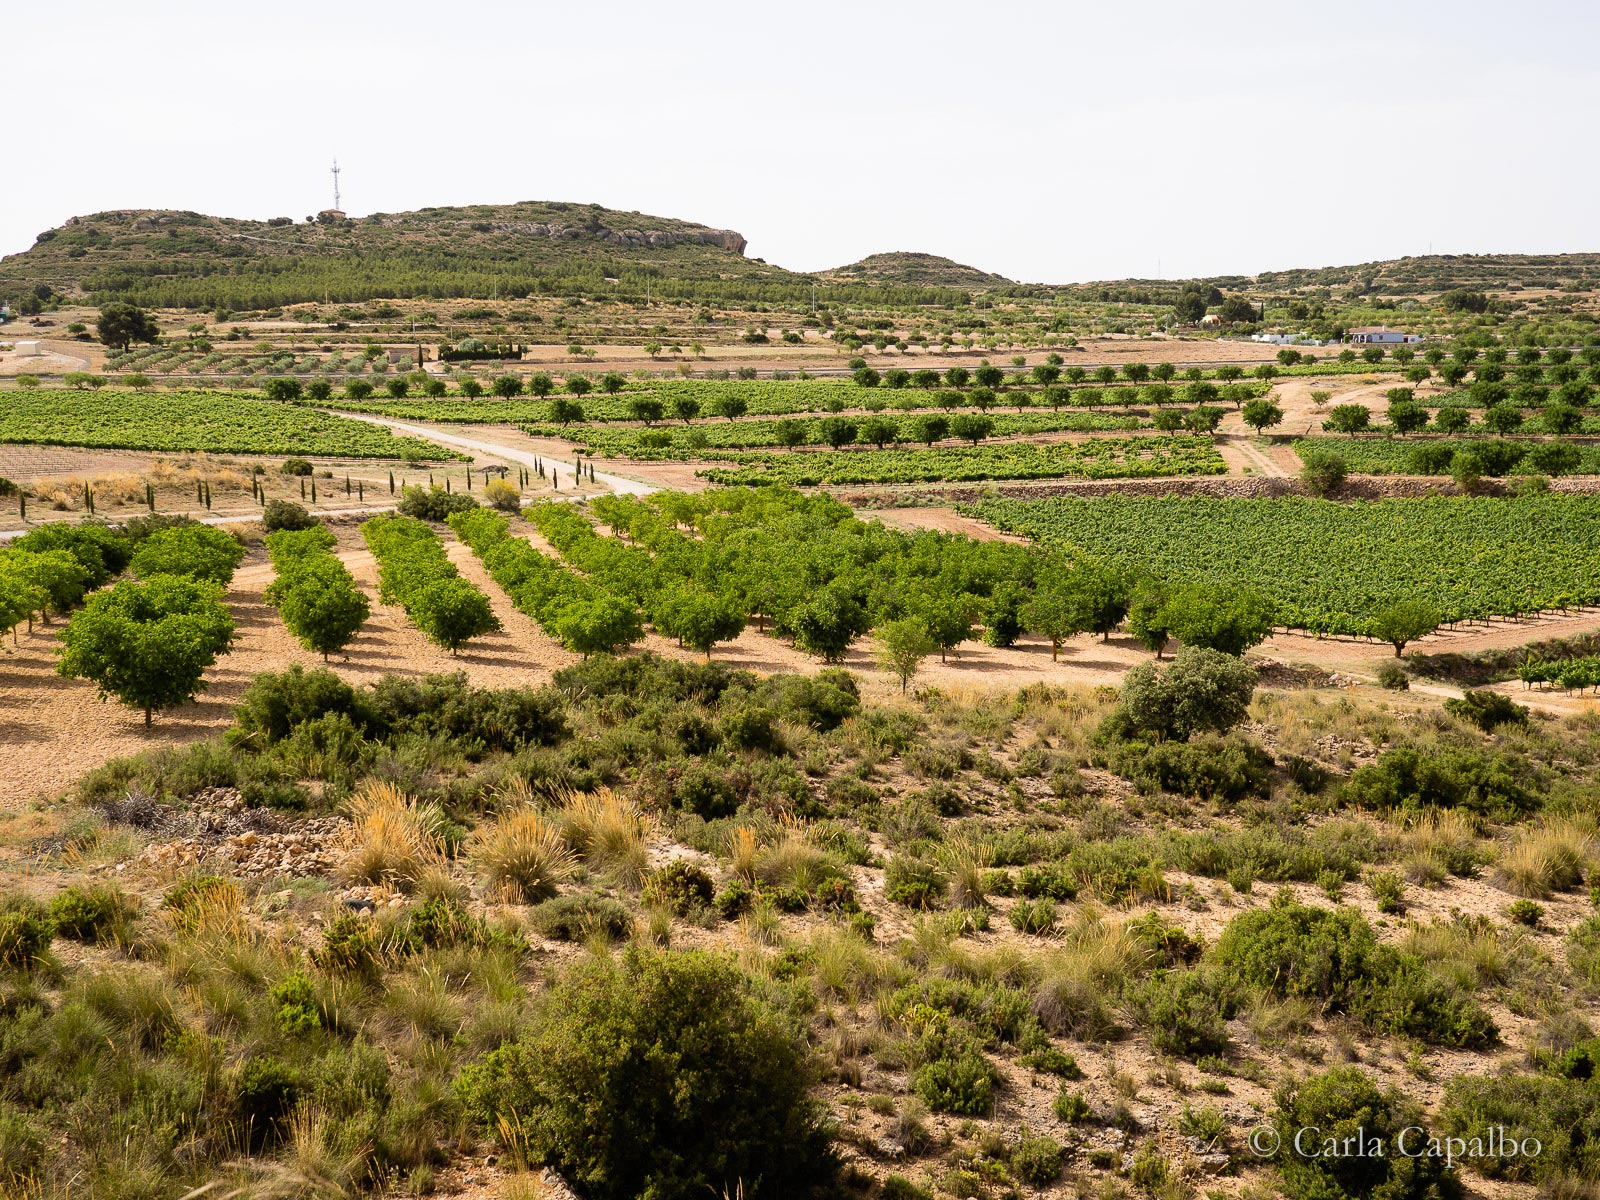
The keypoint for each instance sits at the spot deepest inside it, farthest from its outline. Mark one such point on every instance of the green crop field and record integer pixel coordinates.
(216, 422)
(1329, 567)
(1103, 458)
(1433, 456)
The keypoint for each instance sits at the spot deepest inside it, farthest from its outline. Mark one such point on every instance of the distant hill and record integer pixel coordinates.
(1431, 273)
(186, 259)
(922, 270)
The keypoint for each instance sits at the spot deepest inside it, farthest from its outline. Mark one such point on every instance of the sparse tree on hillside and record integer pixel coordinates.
(906, 643)
(120, 325)
(1403, 622)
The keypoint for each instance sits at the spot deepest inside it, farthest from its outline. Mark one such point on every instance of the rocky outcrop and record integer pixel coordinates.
(723, 239)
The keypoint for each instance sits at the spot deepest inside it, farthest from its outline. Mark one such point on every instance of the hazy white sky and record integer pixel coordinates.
(1048, 142)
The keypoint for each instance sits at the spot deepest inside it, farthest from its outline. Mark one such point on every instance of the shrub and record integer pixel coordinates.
(680, 886)
(24, 932)
(1036, 1160)
(1504, 1111)
(581, 915)
(1182, 1014)
(286, 514)
(1344, 1103)
(1388, 891)
(660, 1075)
(1070, 1107)
(913, 882)
(1322, 471)
(295, 466)
(1392, 675)
(1201, 690)
(349, 947)
(1487, 710)
(294, 1003)
(434, 503)
(264, 1096)
(90, 914)
(1034, 916)
(1526, 912)
(962, 1083)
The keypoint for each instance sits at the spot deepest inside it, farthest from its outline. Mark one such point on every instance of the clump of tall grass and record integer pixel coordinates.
(1438, 844)
(393, 839)
(1547, 858)
(608, 831)
(522, 856)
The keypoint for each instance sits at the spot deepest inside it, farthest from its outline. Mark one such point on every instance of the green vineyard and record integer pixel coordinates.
(213, 422)
(1330, 567)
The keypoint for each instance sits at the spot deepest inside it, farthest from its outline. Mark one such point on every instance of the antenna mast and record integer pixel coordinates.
(336, 185)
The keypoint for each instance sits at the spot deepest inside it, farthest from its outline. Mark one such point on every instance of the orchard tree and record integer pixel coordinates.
(1404, 621)
(905, 644)
(603, 624)
(1261, 414)
(148, 643)
(931, 428)
(1168, 420)
(878, 431)
(198, 551)
(541, 385)
(1203, 691)
(838, 432)
(989, 376)
(1348, 418)
(1406, 416)
(685, 408)
(730, 405)
(613, 382)
(827, 624)
(320, 604)
(579, 385)
(1054, 611)
(120, 325)
(1452, 418)
(956, 377)
(971, 428)
(1147, 620)
(698, 618)
(507, 386)
(564, 411)
(1203, 419)
(1229, 619)
(646, 408)
(452, 612)
(1503, 418)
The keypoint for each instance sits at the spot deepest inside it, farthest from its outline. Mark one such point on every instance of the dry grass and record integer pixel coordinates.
(522, 855)
(1548, 858)
(393, 839)
(608, 831)
(1436, 845)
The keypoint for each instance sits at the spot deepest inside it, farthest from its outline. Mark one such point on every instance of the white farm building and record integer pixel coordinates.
(1381, 335)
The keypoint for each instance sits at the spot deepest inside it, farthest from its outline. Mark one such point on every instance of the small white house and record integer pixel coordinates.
(28, 350)
(1381, 335)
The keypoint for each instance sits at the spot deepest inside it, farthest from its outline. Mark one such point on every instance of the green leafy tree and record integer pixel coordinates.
(613, 382)
(970, 427)
(60, 578)
(1503, 419)
(601, 625)
(829, 623)
(540, 384)
(699, 618)
(906, 643)
(1229, 619)
(1054, 611)
(1406, 416)
(452, 612)
(1560, 418)
(790, 433)
(838, 432)
(930, 428)
(1348, 418)
(320, 604)
(730, 405)
(1147, 620)
(564, 411)
(1203, 420)
(685, 408)
(148, 643)
(506, 387)
(198, 551)
(120, 325)
(989, 376)
(1403, 622)
(579, 385)
(1452, 418)
(645, 408)
(956, 377)
(1262, 414)
(878, 431)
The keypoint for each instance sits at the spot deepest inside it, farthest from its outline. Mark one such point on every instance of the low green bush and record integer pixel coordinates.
(659, 1075)
(577, 916)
